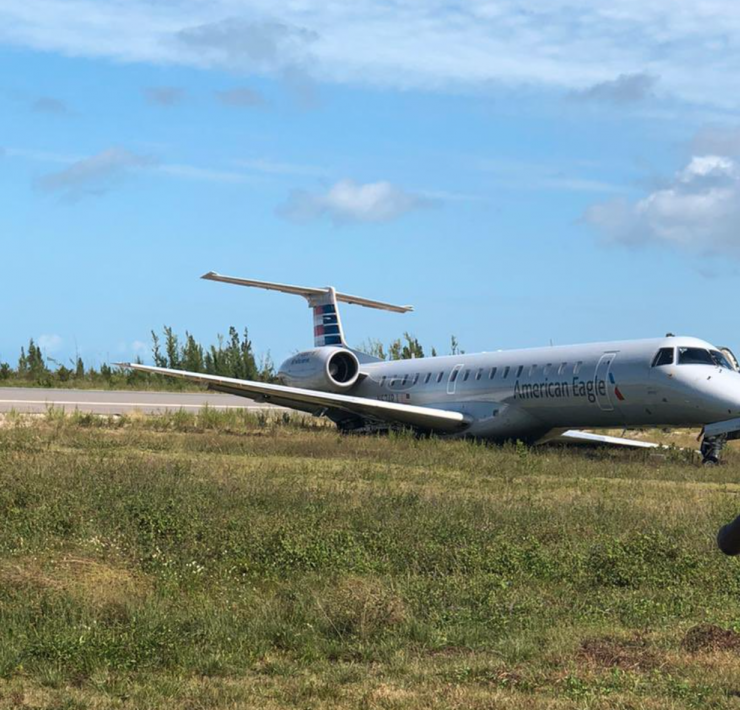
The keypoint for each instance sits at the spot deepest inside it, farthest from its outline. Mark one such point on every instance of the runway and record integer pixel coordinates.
(36, 400)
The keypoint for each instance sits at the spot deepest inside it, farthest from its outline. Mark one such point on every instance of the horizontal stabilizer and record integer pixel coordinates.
(307, 292)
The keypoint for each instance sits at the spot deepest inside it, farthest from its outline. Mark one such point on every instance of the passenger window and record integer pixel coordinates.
(479, 374)
(562, 367)
(382, 381)
(493, 373)
(467, 374)
(532, 370)
(416, 378)
(546, 370)
(664, 356)
(506, 371)
(694, 356)
(427, 378)
(519, 370)
(405, 380)
(440, 376)
(453, 376)
(577, 367)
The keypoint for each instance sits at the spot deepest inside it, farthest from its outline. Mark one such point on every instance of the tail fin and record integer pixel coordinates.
(327, 325)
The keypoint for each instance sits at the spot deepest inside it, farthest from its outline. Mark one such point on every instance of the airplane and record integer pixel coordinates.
(535, 395)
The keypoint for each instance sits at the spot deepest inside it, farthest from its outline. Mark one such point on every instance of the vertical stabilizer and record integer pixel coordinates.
(327, 326)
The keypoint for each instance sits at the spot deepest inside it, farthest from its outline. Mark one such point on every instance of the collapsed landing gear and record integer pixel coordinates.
(711, 448)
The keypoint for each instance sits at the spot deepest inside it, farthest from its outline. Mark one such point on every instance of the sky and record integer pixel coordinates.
(521, 173)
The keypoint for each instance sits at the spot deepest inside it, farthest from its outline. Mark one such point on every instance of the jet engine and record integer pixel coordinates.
(326, 369)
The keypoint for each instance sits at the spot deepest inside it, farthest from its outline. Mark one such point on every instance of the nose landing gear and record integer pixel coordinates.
(711, 449)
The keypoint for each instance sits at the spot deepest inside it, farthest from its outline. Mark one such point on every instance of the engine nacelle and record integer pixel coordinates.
(326, 369)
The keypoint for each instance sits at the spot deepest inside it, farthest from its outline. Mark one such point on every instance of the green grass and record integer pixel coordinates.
(224, 560)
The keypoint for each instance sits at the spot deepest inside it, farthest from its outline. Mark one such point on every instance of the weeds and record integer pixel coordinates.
(224, 559)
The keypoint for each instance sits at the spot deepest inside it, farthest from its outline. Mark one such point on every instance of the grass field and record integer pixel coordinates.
(226, 561)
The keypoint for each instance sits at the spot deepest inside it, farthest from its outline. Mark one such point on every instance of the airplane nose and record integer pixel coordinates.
(730, 389)
(720, 394)
(715, 392)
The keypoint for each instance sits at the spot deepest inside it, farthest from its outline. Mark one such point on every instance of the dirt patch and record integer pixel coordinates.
(708, 637)
(634, 653)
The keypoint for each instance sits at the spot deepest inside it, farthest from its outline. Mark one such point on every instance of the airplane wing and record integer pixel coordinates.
(574, 436)
(439, 420)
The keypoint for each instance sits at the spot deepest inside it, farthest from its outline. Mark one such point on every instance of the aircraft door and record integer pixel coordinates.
(604, 382)
(452, 380)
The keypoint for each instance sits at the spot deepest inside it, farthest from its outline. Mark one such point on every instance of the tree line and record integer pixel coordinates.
(230, 356)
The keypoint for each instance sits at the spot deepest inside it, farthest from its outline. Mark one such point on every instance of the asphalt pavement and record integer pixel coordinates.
(35, 400)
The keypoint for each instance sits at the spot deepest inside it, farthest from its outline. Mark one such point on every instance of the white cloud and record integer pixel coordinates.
(569, 45)
(50, 343)
(698, 209)
(95, 175)
(348, 202)
(250, 45)
(625, 89)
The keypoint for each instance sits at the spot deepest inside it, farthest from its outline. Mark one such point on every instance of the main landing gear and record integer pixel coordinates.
(711, 448)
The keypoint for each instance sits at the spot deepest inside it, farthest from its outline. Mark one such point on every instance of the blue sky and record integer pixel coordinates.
(566, 173)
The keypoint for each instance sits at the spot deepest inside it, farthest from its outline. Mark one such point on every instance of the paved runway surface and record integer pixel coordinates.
(30, 399)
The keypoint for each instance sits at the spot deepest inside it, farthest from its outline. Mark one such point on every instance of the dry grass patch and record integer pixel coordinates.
(628, 654)
(362, 607)
(84, 579)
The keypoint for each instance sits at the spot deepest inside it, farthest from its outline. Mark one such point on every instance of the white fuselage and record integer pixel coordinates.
(526, 393)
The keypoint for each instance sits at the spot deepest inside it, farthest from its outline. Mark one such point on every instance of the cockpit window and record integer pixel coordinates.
(664, 356)
(694, 356)
(720, 360)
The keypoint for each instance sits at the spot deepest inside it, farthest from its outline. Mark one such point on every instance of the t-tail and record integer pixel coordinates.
(327, 323)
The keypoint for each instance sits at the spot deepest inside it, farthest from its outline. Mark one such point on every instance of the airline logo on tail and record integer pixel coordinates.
(326, 328)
